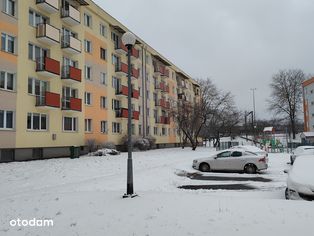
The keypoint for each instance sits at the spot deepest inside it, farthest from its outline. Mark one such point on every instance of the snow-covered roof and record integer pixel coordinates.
(268, 129)
(307, 134)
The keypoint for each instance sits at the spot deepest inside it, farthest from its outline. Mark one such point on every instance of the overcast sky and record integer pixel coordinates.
(238, 44)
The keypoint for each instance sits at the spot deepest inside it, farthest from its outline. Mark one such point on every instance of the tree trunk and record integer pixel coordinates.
(293, 128)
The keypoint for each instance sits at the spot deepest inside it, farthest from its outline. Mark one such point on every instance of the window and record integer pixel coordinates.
(116, 127)
(88, 72)
(6, 119)
(103, 102)
(115, 60)
(7, 43)
(224, 154)
(133, 129)
(35, 18)
(9, 7)
(88, 125)
(87, 20)
(103, 78)
(103, 30)
(36, 121)
(37, 87)
(7, 155)
(87, 46)
(35, 52)
(116, 84)
(147, 111)
(103, 126)
(155, 130)
(7, 81)
(67, 94)
(38, 153)
(148, 130)
(115, 104)
(70, 124)
(103, 53)
(236, 154)
(140, 129)
(88, 98)
(164, 131)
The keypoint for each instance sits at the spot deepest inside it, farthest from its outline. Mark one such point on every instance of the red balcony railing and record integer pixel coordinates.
(135, 94)
(75, 104)
(135, 73)
(48, 65)
(123, 90)
(48, 100)
(135, 53)
(119, 47)
(162, 86)
(136, 115)
(72, 73)
(122, 113)
(122, 67)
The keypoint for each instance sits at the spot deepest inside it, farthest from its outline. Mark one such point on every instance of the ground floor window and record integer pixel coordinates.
(116, 127)
(103, 126)
(36, 121)
(70, 124)
(7, 155)
(6, 119)
(155, 130)
(38, 153)
(88, 125)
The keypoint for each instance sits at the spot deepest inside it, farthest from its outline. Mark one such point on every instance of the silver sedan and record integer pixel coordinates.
(232, 160)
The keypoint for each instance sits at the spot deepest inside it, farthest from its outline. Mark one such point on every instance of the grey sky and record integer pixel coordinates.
(238, 44)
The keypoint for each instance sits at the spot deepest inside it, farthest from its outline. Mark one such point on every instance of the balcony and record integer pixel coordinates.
(121, 69)
(135, 53)
(123, 90)
(135, 94)
(164, 120)
(71, 16)
(49, 6)
(71, 45)
(71, 74)
(164, 72)
(72, 104)
(47, 67)
(166, 89)
(120, 48)
(135, 73)
(123, 113)
(48, 34)
(48, 101)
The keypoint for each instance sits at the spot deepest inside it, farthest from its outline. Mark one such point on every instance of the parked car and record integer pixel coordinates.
(232, 160)
(250, 149)
(300, 182)
(301, 151)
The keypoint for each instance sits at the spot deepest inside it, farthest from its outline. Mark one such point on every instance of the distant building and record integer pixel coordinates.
(308, 104)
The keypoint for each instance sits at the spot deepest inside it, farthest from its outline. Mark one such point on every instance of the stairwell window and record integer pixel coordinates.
(103, 78)
(7, 81)
(103, 102)
(103, 54)
(6, 119)
(88, 98)
(9, 7)
(88, 125)
(103, 30)
(37, 121)
(88, 72)
(88, 46)
(7, 43)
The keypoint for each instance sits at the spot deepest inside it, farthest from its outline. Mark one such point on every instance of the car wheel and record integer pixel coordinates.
(250, 169)
(287, 194)
(204, 167)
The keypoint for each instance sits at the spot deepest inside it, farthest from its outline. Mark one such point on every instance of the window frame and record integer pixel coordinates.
(75, 126)
(5, 125)
(40, 122)
(5, 84)
(6, 37)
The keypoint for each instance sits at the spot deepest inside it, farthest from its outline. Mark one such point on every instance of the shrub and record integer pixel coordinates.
(91, 145)
(138, 143)
(109, 145)
(151, 140)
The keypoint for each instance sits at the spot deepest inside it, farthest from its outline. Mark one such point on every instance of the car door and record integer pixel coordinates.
(236, 161)
(220, 162)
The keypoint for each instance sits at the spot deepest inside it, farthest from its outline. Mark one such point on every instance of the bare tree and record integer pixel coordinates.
(286, 95)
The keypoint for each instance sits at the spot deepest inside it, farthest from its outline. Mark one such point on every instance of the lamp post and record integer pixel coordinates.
(253, 90)
(129, 39)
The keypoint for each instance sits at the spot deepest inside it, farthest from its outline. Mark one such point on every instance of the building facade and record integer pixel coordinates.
(64, 81)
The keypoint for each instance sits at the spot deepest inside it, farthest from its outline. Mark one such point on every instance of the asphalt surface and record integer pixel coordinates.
(218, 187)
(197, 176)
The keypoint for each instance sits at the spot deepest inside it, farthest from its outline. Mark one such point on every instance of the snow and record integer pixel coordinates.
(84, 197)
(302, 171)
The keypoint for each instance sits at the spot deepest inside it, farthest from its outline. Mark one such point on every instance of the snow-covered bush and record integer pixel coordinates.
(91, 145)
(151, 140)
(138, 142)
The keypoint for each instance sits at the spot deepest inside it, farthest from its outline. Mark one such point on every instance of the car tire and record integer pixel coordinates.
(287, 195)
(204, 167)
(250, 169)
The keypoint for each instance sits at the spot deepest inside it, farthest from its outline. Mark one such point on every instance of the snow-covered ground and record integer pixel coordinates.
(84, 197)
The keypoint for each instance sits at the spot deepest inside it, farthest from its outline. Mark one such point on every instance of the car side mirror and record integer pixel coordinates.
(286, 171)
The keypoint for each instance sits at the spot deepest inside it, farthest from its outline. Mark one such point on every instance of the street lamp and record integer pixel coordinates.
(254, 117)
(129, 39)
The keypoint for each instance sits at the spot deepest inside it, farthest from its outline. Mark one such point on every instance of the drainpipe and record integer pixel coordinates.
(143, 93)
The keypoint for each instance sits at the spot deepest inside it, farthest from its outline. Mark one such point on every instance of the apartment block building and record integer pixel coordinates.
(63, 81)
(308, 104)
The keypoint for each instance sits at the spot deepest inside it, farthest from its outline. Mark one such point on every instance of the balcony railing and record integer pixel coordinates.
(135, 94)
(50, 6)
(135, 73)
(71, 44)
(121, 68)
(48, 34)
(49, 100)
(136, 115)
(120, 48)
(123, 90)
(72, 104)
(121, 113)
(47, 66)
(135, 53)
(71, 74)
(71, 16)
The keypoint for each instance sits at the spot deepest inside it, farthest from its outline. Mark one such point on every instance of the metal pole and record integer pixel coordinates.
(130, 164)
(253, 89)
